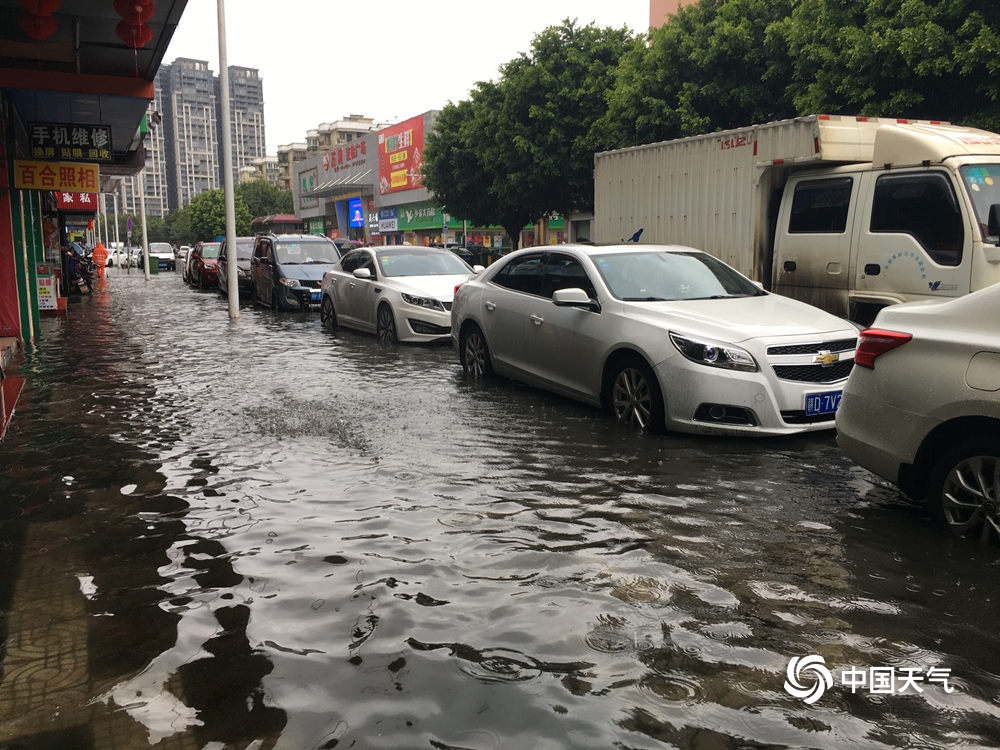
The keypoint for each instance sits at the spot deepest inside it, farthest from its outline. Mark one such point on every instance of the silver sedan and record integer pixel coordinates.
(662, 336)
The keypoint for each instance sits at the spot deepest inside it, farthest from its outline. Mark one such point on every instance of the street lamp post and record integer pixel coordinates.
(232, 281)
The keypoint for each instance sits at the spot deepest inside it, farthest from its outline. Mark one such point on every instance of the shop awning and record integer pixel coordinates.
(343, 183)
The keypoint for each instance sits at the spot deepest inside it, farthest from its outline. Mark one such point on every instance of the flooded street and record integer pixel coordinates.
(257, 534)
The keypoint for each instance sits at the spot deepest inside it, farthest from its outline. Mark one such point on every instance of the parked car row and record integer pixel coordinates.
(669, 337)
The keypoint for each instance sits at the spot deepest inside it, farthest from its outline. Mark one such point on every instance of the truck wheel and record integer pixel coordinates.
(633, 395)
(963, 492)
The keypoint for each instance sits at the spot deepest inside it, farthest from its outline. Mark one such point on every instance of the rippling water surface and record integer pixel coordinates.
(256, 534)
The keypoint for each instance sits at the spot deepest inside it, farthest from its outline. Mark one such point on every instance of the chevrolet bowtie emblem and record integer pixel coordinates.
(826, 358)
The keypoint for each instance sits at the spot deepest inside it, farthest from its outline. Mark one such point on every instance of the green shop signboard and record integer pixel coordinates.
(419, 216)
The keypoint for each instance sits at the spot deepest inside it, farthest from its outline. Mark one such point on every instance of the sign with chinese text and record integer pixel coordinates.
(347, 156)
(76, 201)
(45, 287)
(400, 156)
(69, 142)
(307, 183)
(54, 175)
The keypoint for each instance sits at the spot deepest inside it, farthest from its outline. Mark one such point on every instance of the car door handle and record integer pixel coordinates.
(491, 306)
(536, 319)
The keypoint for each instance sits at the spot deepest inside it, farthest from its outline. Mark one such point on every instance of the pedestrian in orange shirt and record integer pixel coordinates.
(100, 258)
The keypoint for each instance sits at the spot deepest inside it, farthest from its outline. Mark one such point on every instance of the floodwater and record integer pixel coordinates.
(256, 534)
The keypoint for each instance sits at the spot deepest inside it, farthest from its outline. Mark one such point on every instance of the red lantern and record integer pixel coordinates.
(41, 7)
(37, 27)
(135, 11)
(134, 35)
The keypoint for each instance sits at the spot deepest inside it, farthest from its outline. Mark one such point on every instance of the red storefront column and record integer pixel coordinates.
(10, 314)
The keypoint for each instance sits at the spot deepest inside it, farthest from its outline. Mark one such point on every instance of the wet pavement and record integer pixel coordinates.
(256, 534)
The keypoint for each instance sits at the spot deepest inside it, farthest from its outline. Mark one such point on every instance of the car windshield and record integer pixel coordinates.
(420, 263)
(210, 251)
(159, 247)
(659, 275)
(306, 251)
(244, 250)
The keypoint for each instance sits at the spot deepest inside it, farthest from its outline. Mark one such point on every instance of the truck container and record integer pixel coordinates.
(850, 214)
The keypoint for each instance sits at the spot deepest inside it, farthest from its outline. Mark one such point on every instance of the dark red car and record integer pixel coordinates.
(203, 265)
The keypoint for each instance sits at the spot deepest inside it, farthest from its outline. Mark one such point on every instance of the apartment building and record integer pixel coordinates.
(184, 147)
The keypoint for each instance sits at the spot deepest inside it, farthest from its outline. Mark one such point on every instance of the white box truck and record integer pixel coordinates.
(847, 213)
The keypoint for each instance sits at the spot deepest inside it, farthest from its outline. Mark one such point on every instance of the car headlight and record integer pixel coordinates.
(289, 282)
(428, 302)
(209, 266)
(714, 353)
(242, 272)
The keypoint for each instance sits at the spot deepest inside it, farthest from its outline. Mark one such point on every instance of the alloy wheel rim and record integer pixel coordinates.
(631, 398)
(386, 325)
(474, 355)
(970, 497)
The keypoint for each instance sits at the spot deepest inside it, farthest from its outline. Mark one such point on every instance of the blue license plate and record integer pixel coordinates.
(822, 403)
(317, 297)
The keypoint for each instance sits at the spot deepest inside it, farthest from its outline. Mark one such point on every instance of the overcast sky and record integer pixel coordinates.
(390, 60)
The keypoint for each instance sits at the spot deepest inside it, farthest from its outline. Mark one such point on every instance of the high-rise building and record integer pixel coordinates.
(184, 151)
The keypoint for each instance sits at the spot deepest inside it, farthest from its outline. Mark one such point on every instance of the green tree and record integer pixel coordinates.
(901, 58)
(264, 199)
(717, 64)
(178, 226)
(208, 215)
(523, 147)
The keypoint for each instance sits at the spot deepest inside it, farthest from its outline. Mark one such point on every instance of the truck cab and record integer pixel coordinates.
(854, 239)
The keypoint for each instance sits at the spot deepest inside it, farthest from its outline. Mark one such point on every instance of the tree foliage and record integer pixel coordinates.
(722, 64)
(208, 215)
(263, 199)
(717, 64)
(935, 59)
(523, 147)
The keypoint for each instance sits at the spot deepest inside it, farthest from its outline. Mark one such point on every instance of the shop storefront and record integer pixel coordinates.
(334, 191)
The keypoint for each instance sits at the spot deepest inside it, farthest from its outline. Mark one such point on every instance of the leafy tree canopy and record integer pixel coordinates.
(523, 147)
(208, 215)
(263, 199)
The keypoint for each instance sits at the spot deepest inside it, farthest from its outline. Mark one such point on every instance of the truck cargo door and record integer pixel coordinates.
(914, 241)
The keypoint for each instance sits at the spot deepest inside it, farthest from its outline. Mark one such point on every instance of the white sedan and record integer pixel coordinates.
(398, 292)
(922, 408)
(661, 336)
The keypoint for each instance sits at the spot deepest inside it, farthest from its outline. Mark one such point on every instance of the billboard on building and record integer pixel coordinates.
(400, 156)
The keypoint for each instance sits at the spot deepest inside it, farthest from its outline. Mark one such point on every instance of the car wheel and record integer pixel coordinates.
(201, 282)
(634, 396)
(964, 489)
(385, 325)
(327, 315)
(474, 354)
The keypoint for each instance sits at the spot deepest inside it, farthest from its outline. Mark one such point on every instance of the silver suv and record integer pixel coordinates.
(922, 407)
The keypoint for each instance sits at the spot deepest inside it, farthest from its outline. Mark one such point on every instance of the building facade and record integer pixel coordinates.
(184, 149)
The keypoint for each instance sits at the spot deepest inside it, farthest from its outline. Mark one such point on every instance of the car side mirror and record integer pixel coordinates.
(574, 297)
(362, 273)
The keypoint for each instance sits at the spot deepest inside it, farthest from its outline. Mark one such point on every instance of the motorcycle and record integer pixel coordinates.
(80, 271)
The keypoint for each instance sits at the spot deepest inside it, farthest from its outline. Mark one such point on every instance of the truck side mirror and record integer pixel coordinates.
(993, 223)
